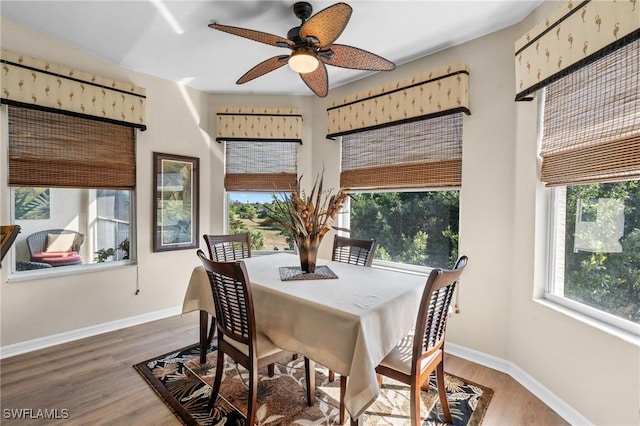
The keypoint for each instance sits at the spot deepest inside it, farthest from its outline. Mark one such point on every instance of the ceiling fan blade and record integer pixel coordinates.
(318, 80)
(354, 58)
(263, 68)
(266, 38)
(327, 25)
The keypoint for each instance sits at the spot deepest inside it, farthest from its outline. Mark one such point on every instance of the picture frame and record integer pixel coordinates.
(176, 211)
(32, 203)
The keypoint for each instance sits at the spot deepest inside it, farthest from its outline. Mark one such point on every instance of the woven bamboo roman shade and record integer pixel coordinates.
(592, 122)
(577, 34)
(260, 155)
(281, 124)
(48, 149)
(430, 94)
(34, 83)
(416, 154)
(260, 166)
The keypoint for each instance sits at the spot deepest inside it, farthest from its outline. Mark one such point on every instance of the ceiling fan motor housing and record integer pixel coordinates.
(302, 10)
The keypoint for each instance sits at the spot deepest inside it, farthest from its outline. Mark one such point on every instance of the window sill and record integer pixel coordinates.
(600, 325)
(402, 267)
(63, 271)
(270, 252)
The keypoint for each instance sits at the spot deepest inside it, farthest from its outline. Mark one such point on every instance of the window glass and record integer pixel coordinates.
(65, 227)
(417, 228)
(113, 226)
(247, 214)
(596, 247)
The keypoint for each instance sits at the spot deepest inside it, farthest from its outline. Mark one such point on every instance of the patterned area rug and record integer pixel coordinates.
(184, 385)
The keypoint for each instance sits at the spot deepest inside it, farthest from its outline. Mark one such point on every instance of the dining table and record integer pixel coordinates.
(348, 323)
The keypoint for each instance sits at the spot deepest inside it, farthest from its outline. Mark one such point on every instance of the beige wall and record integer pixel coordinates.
(178, 124)
(503, 213)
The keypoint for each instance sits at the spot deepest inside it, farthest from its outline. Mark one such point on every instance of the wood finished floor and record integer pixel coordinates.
(94, 380)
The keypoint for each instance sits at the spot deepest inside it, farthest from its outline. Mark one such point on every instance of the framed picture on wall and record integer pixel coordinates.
(32, 203)
(175, 202)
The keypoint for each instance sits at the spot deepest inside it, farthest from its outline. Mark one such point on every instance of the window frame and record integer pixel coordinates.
(552, 255)
(36, 274)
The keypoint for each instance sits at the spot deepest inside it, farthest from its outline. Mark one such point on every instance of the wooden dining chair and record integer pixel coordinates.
(238, 337)
(422, 351)
(224, 248)
(228, 247)
(355, 252)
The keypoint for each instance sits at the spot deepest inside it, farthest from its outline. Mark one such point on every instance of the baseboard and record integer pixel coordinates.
(552, 401)
(81, 333)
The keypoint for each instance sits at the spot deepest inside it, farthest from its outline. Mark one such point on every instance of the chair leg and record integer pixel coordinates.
(212, 330)
(252, 400)
(310, 378)
(343, 389)
(443, 393)
(426, 386)
(332, 376)
(271, 370)
(415, 401)
(204, 321)
(217, 381)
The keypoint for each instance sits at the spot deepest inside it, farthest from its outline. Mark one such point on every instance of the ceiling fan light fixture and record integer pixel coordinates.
(303, 61)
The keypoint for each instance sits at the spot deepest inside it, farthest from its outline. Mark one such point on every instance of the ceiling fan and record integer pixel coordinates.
(312, 47)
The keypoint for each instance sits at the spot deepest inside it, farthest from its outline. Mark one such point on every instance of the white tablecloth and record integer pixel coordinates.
(347, 324)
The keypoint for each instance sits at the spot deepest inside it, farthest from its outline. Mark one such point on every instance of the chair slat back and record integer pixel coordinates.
(232, 298)
(354, 251)
(434, 308)
(226, 248)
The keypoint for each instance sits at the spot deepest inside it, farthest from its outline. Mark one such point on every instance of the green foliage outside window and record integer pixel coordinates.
(609, 281)
(238, 211)
(418, 228)
(121, 253)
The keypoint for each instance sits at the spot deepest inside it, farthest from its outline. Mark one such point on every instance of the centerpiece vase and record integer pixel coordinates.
(308, 251)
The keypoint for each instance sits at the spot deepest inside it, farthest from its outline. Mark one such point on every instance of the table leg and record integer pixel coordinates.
(343, 389)
(204, 321)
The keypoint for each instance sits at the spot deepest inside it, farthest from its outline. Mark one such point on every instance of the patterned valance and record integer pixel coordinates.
(34, 83)
(431, 94)
(279, 124)
(577, 34)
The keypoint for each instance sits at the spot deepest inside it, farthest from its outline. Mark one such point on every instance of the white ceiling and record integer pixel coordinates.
(170, 38)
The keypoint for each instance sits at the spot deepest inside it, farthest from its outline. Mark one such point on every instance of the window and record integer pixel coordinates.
(416, 228)
(589, 150)
(72, 185)
(247, 214)
(596, 248)
(255, 172)
(101, 218)
(113, 225)
(385, 169)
